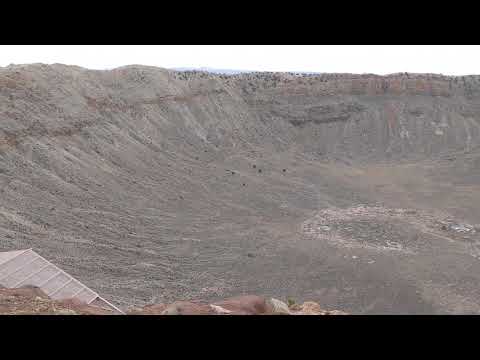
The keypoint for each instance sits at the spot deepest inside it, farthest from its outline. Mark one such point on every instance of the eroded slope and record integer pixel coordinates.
(151, 185)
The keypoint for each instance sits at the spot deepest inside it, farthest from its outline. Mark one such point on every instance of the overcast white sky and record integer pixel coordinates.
(380, 59)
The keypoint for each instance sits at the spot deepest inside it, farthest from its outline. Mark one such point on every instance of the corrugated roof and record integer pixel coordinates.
(26, 267)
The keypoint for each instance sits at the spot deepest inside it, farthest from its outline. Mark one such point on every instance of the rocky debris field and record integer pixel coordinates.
(32, 301)
(383, 229)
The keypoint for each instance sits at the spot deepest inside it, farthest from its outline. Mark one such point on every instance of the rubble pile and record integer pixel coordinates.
(32, 301)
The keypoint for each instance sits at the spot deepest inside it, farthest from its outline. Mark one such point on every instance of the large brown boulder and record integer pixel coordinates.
(245, 305)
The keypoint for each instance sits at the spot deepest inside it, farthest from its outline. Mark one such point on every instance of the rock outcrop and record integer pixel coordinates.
(32, 301)
(239, 305)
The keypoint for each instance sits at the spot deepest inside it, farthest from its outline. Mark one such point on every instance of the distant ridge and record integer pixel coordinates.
(215, 71)
(233, 72)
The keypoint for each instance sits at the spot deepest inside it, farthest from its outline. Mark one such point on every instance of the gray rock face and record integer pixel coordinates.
(107, 172)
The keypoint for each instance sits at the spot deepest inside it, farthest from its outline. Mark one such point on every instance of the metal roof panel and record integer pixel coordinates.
(26, 267)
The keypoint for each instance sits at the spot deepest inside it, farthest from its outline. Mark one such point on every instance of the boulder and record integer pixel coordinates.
(245, 305)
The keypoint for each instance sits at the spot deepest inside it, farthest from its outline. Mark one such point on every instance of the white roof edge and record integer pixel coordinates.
(96, 295)
(70, 276)
(109, 304)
